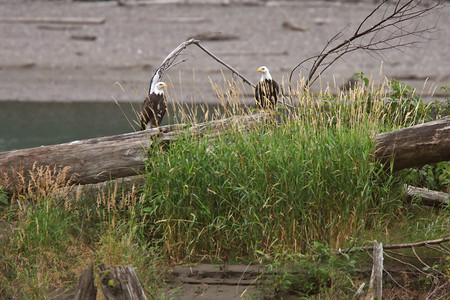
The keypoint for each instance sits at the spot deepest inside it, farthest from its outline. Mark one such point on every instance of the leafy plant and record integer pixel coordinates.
(361, 76)
(321, 272)
(432, 176)
(402, 105)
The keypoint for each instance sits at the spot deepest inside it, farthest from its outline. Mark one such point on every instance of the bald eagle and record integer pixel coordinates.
(266, 91)
(154, 107)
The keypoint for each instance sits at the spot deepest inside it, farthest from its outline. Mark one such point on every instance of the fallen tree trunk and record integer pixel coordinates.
(427, 197)
(101, 159)
(415, 146)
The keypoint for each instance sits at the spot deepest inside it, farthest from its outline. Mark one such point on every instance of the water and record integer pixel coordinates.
(32, 124)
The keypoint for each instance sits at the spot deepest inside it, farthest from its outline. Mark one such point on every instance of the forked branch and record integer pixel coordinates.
(170, 61)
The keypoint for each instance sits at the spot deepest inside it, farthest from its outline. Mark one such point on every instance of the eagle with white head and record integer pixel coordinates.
(154, 107)
(267, 90)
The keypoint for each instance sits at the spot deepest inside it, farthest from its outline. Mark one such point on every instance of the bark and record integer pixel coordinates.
(86, 289)
(415, 146)
(120, 283)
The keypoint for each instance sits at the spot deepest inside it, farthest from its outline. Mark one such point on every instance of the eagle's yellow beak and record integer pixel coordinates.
(164, 85)
(259, 70)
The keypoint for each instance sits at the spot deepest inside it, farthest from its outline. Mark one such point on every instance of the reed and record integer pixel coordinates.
(307, 174)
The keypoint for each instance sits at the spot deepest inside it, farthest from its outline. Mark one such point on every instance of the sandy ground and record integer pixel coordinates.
(205, 281)
(44, 61)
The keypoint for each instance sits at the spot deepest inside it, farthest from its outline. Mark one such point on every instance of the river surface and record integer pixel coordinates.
(33, 124)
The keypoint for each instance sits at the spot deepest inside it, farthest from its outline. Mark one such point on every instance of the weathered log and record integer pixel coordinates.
(120, 283)
(427, 197)
(415, 146)
(101, 159)
(86, 289)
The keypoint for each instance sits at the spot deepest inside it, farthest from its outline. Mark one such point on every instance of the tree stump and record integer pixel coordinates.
(120, 283)
(86, 289)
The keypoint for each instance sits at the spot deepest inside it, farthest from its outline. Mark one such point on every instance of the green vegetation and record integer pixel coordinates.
(285, 193)
(291, 184)
(56, 230)
(307, 275)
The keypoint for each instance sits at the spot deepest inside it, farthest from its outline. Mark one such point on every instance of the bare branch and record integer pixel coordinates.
(169, 62)
(334, 38)
(407, 264)
(399, 26)
(439, 248)
(400, 246)
(225, 64)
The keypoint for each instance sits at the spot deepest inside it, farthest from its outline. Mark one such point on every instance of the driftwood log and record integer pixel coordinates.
(101, 159)
(427, 197)
(415, 146)
(82, 21)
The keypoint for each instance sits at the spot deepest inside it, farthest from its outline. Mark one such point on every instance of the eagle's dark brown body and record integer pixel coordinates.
(267, 90)
(153, 110)
(266, 93)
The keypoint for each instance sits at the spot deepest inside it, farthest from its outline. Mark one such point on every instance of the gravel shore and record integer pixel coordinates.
(78, 51)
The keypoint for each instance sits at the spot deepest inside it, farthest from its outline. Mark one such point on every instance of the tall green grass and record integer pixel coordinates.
(311, 178)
